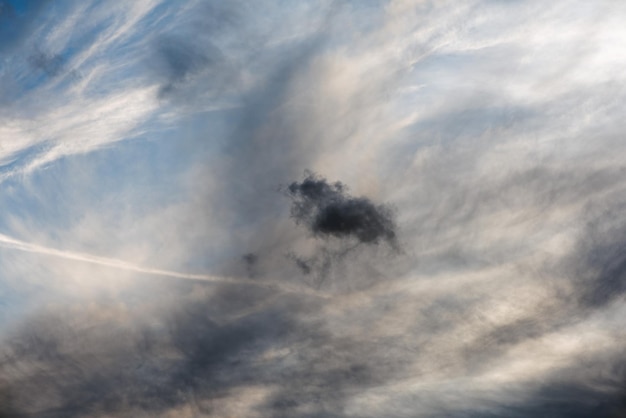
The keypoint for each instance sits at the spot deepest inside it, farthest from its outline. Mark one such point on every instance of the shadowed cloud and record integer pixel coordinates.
(328, 210)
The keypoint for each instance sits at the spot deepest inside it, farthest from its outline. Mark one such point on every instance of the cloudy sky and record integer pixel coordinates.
(312, 208)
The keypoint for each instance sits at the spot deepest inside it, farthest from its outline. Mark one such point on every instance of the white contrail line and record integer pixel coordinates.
(12, 243)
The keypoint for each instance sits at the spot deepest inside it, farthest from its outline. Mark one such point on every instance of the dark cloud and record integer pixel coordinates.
(318, 265)
(329, 211)
(111, 366)
(355, 224)
(304, 265)
(250, 260)
(179, 61)
(52, 65)
(568, 395)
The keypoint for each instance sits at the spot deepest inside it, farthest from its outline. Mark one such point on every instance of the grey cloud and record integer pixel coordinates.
(598, 263)
(117, 367)
(111, 363)
(318, 264)
(303, 265)
(180, 61)
(250, 260)
(328, 210)
(569, 394)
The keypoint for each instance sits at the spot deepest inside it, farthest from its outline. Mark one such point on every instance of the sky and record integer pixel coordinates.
(313, 208)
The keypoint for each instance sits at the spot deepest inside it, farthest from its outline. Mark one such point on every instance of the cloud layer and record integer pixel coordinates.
(458, 251)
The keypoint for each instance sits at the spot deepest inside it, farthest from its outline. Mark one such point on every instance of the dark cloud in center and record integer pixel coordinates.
(328, 210)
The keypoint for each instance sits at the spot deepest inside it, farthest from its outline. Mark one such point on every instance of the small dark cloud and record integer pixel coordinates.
(317, 265)
(349, 229)
(302, 264)
(329, 211)
(200, 59)
(49, 64)
(250, 259)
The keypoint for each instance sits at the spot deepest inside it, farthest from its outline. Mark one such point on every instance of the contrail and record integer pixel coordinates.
(12, 243)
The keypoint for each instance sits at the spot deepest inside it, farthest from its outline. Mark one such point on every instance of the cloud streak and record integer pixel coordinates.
(12, 243)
